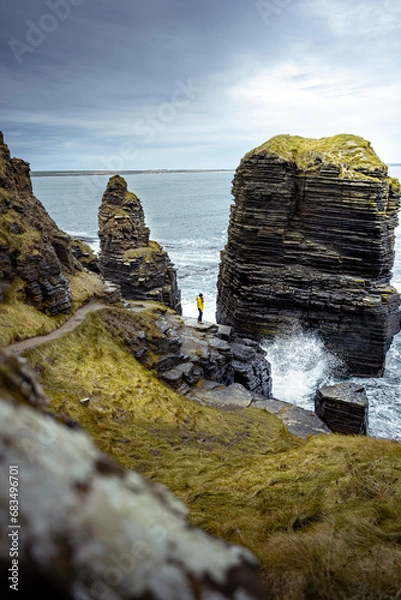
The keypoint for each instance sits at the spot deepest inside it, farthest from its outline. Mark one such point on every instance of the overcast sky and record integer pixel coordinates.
(129, 84)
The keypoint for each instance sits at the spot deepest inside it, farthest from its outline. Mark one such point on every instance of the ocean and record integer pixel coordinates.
(188, 214)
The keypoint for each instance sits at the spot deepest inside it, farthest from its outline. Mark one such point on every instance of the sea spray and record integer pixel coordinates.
(300, 364)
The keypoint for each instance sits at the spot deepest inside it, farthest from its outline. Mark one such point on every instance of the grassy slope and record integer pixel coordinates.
(323, 515)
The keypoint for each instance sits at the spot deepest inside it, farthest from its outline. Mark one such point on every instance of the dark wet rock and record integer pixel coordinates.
(311, 242)
(343, 407)
(140, 267)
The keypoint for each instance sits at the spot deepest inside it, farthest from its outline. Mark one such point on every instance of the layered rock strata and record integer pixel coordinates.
(32, 248)
(139, 266)
(311, 242)
(86, 528)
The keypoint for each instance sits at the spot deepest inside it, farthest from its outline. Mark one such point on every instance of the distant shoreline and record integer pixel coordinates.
(136, 172)
(139, 172)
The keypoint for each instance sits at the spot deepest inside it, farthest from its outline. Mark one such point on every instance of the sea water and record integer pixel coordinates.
(188, 214)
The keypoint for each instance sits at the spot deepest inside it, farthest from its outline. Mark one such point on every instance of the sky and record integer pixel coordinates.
(193, 84)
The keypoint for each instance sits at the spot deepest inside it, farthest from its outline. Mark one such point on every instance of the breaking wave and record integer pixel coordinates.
(300, 364)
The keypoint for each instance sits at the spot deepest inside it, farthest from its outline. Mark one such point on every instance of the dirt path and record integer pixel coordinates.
(20, 347)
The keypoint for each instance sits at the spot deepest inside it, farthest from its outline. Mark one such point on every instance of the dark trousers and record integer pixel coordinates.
(200, 315)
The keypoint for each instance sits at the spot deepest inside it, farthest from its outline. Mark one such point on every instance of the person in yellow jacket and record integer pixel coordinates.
(200, 305)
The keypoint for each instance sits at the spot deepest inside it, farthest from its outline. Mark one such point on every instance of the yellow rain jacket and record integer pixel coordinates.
(200, 303)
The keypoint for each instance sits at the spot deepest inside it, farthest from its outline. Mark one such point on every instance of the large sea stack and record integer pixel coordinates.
(311, 243)
(140, 267)
(35, 255)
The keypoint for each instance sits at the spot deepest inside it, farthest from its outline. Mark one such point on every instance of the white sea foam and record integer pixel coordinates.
(300, 364)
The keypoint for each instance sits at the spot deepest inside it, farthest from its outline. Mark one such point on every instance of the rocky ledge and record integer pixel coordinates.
(33, 249)
(311, 241)
(127, 258)
(206, 362)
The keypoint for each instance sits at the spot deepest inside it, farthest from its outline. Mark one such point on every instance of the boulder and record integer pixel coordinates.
(140, 267)
(84, 528)
(311, 242)
(343, 408)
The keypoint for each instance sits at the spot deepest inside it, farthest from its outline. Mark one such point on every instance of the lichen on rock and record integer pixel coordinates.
(91, 529)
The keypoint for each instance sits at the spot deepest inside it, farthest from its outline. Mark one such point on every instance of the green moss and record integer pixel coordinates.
(117, 181)
(323, 515)
(145, 253)
(131, 198)
(353, 155)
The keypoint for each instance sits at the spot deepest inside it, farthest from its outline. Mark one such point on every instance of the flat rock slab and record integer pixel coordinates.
(229, 398)
(299, 421)
(343, 407)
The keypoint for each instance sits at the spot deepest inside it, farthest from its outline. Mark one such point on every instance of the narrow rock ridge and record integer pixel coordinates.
(128, 258)
(32, 248)
(311, 241)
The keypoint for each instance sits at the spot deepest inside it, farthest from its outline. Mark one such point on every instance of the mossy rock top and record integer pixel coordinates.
(117, 193)
(353, 156)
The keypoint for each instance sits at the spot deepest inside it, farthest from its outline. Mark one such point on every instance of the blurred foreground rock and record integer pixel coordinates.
(84, 528)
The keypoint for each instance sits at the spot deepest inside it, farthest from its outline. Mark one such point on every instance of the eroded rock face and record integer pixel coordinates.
(32, 247)
(88, 528)
(311, 241)
(139, 266)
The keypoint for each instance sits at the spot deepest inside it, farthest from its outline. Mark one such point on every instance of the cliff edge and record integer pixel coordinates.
(33, 249)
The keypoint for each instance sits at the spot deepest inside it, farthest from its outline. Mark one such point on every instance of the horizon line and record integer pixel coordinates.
(72, 172)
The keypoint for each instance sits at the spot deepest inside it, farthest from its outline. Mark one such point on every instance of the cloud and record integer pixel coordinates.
(108, 78)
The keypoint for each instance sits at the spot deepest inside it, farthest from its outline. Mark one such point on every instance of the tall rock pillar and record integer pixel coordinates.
(139, 266)
(311, 243)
